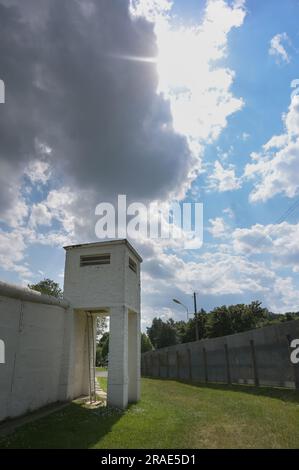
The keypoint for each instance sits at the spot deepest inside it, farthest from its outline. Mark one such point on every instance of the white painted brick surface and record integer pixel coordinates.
(33, 336)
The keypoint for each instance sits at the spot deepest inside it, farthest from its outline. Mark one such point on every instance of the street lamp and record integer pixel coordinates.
(180, 303)
(195, 314)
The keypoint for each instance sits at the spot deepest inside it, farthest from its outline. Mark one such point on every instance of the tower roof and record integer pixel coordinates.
(123, 241)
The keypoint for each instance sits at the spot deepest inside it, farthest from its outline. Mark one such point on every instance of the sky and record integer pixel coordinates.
(190, 101)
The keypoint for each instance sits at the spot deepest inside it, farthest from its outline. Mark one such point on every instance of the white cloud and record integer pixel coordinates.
(138, 148)
(229, 212)
(38, 171)
(153, 10)
(223, 179)
(285, 293)
(197, 87)
(245, 136)
(212, 273)
(12, 253)
(40, 215)
(70, 210)
(219, 228)
(278, 47)
(280, 241)
(13, 208)
(239, 267)
(276, 172)
(277, 141)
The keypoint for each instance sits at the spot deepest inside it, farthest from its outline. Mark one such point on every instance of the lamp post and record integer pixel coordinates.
(195, 313)
(180, 303)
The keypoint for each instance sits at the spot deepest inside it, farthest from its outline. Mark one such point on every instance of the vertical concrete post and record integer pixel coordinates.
(228, 376)
(148, 368)
(85, 378)
(146, 373)
(66, 371)
(177, 360)
(167, 364)
(152, 364)
(189, 363)
(205, 364)
(134, 356)
(159, 365)
(118, 358)
(254, 364)
(295, 366)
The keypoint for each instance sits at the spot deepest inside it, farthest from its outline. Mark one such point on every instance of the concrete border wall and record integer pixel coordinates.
(256, 357)
(34, 329)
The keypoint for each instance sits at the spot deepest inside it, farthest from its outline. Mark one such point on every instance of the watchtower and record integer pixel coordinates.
(103, 278)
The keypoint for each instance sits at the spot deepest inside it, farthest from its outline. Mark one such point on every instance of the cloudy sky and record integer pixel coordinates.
(161, 100)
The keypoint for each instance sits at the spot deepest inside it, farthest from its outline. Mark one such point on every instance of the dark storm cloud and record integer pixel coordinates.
(67, 87)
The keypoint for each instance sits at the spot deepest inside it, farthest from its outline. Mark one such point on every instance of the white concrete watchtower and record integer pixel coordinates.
(104, 278)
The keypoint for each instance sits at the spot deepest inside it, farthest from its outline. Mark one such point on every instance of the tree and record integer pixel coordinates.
(102, 349)
(219, 322)
(182, 331)
(236, 319)
(258, 313)
(162, 333)
(146, 344)
(48, 287)
(99, 357)
(102, 326)
(186, 330)
(199, 321)
(105, 345)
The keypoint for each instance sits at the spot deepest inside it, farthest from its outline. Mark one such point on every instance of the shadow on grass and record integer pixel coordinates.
(279, 393)
(74, 427)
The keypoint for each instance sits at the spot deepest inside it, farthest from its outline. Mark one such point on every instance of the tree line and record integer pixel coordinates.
(220, 321)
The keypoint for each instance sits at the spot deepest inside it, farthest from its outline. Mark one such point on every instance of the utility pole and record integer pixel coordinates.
(195, 316)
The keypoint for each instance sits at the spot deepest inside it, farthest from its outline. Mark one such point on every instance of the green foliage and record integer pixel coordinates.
(221, 321)
(235, 319)
(162, 333)
(48, 287)
(99, 357)
(102, 326)
(102, 349)
(146, 344)
(187, 330)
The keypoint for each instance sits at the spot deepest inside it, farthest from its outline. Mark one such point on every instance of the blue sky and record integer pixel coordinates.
(202, 113)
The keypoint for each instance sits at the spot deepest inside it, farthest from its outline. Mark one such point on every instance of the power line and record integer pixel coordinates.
(278, 221)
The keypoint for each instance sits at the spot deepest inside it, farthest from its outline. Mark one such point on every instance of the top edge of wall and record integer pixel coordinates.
(24, 293)
(287, 325)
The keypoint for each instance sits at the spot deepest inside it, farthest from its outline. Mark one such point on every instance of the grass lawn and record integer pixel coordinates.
(103, 383)
(173, 414)
(101, 369)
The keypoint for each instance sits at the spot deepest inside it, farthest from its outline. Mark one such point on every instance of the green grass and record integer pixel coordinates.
(102, 369)
(103, 383)
(173, 414)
